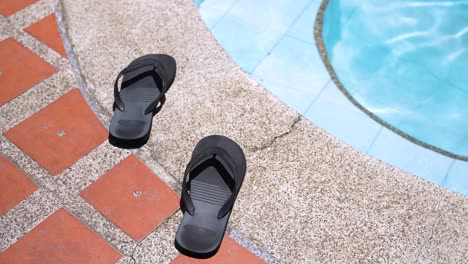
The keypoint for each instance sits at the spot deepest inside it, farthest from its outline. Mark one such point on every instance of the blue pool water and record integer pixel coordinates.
(273, 41)
(406, 62)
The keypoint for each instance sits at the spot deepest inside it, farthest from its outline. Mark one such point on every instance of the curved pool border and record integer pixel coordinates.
(309, 180)
(318, 30)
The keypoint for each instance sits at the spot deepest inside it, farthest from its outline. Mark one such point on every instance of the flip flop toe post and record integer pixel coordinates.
(212, 181)
(145, 82)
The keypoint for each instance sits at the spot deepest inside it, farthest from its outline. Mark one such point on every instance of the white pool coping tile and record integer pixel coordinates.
(213, 10)
(288, 64)
(248, 35)
(457, 178)
(303, 28)
(333, 112)
(404, 154)
(294, 64)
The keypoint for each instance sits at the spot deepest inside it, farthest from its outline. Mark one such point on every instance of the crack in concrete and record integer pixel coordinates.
(132, 256)
(434, 225)
(269, 144)
(97, 107)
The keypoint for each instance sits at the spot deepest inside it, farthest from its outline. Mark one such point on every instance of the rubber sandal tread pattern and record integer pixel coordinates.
(211, 183)
(142, 94)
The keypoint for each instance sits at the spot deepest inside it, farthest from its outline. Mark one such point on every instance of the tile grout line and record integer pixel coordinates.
(42, 186)
(447, 173)
(234, 231)
(281, 38)
(316, 97)
(64, 203)
(393, 128)
(222, 17)
(93, 103)
(116, 246)
(82, 83)
(295, 20)
(54, 62)
(39, 197)
(34, 6)
(42, 192)
(374, 139)
(302, 41)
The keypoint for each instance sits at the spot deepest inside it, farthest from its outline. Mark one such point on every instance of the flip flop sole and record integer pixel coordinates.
(200, 234)
(131, 128)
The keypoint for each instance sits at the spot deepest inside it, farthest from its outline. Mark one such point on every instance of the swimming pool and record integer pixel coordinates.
(406, 62)
(274, 41)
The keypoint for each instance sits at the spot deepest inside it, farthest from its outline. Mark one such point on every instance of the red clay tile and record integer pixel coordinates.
(132, 198)
(9, 7)
(15, 186)
(61, 238)
(46, 30)
(60, 134)
(229, 253)
(20, 69)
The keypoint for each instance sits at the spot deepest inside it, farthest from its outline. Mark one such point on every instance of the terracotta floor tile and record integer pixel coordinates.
(15, 186)
(9, 7)
(46, 30)
(132, 198)
(229, 253)
(20, 69)
(61, 238)
(60, 134)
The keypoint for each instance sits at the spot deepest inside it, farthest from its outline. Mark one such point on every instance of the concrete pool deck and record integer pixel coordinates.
(281, 50)
(307, 197)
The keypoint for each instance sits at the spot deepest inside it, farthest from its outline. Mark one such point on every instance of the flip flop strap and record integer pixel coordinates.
(211, 152)
(144, 63)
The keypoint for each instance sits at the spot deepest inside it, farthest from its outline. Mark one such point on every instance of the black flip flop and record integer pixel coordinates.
(212, 181)
(141, 96)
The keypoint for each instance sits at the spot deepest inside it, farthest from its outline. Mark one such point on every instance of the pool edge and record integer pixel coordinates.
(318, 29)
